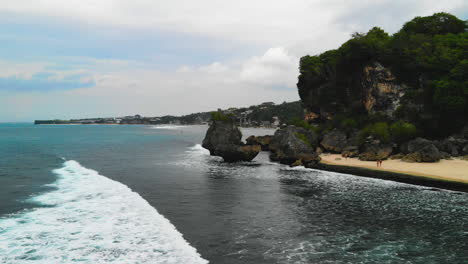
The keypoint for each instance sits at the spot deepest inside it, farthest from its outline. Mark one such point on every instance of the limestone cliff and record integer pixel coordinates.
(372, 88)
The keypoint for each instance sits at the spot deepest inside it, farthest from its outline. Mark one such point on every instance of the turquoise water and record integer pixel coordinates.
(143, 194)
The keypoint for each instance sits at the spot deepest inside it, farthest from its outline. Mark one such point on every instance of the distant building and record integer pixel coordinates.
(267, 104)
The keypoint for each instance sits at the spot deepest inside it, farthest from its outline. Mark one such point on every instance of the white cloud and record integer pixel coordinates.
(215, 67)
(153, 92)
(318, 23)
(275, 68)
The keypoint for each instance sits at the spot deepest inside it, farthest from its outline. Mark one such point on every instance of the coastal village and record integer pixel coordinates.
(267, 114)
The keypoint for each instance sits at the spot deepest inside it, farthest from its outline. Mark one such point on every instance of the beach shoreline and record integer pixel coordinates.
(446, 174)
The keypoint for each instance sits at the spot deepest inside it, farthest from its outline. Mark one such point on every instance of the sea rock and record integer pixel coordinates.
(334, 141)
(291, 142)
(223, 138)
(263, 141)
(421, 150)
(309, 160)
(234, 153)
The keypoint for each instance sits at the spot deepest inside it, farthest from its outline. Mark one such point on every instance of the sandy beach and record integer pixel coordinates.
(451, 170)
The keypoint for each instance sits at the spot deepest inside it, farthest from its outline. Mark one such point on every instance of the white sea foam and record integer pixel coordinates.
(167, 127)
(198, 149)
(92, 219)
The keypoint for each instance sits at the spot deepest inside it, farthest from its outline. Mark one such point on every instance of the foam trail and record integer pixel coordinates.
(92, 219)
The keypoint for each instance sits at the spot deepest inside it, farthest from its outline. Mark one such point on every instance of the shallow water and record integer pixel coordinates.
(142, 194)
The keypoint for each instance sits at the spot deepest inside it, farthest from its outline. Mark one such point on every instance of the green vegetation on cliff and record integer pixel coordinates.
(427, 61)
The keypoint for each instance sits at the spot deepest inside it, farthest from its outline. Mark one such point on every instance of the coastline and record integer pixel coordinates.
(426, 174)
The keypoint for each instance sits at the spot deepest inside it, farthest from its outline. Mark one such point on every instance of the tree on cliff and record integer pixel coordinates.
(429, 55)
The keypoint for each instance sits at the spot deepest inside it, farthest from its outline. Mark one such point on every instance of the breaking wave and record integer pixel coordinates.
(90, 218)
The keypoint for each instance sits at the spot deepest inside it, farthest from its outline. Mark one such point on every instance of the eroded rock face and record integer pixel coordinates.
(223, 138)
(380, 92)
(289, 143)
(334, 141)
(372, 87)
(263, 141)
(421, 150)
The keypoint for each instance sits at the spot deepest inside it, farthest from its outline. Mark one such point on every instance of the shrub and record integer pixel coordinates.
(220, 116)
(304, 124)
(378, 130)
(403, 131)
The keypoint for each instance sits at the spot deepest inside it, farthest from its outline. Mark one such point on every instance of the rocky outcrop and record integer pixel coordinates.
(223, 138)
(350, 152)
(421, 150)
(452, 145)
(334, 141)
(373, 150)
(263, 141)
(292, 143)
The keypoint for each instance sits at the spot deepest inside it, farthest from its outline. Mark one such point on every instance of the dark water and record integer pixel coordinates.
(256, 212)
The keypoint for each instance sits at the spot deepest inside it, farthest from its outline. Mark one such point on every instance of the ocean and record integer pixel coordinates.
(151, 194)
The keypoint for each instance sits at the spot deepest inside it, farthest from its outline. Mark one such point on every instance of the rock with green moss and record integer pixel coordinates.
(334, 141)
(263, 141)
(290, 142)
(223, 138)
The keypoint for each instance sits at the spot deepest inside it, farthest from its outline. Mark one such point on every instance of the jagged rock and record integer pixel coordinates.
(375, 150)
(309, 160)
(334, 141)
(223, 138)
(445, 155)
(428, 153)
(296, 163)
(417, 144)
(263, 141)
(397, 156)
(421, 150)
(233, 153)
(448, 146)
(350, 152)
(465, 150)
(290, 142)
(451, 145)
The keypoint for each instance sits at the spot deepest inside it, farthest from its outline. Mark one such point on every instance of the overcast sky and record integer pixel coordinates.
(103, 58)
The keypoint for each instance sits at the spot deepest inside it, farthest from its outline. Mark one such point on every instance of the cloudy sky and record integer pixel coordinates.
(89, 58)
